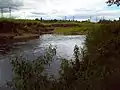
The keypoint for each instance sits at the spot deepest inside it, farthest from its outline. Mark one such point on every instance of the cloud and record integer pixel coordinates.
(38, 13)
(10, 3)
(51, 9)
(13, 4)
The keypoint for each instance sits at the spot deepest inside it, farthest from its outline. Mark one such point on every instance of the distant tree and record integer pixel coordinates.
(88, 20)
(41, 19)
(111, 2)
(55, 20)
(37, 19)
(119, 18)
(104, 21)
(115, 20)
(69, 20)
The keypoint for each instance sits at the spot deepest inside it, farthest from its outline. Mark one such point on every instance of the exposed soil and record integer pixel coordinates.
(10, 30)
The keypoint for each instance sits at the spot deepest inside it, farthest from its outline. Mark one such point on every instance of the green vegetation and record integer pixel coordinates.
(18, 20)
(81, 28)
(18, 27)
(102, 55)
(95, 67)
(111, 2)
(71, 30)
(28, 75)
(11, 29)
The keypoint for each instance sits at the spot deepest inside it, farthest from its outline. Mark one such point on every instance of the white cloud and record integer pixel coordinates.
(81, 9)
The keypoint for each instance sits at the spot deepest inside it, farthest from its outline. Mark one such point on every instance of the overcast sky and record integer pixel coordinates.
(58, 9)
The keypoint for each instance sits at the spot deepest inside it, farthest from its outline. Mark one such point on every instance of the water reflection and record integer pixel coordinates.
(34, 48)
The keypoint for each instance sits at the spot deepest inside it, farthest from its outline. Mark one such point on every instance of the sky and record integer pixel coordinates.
(58, 9)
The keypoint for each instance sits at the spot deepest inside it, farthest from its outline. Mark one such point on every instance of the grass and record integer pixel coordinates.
(21, 26)
(82, 28)
(98, 68)
(102, 58)
(70, 28)
(19, 20)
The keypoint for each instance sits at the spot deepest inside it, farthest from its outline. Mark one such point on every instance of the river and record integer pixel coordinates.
(33, 48)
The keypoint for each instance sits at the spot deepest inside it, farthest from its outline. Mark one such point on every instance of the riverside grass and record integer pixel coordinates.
(79, 28)
(97, 69)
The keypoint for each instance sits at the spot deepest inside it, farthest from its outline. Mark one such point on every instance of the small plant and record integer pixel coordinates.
(28, 75)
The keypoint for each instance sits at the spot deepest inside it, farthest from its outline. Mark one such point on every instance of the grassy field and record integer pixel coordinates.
(19, 20)
(97, 67)
(82, 28)
(37, 26)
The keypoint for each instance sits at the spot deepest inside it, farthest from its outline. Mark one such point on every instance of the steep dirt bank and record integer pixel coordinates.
(19, 28)
(18, 31)
(28, 29)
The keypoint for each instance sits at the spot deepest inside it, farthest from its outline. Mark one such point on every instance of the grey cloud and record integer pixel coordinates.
(55, 11)
(38, 13)
(13, 4)
(81, 16)
(109, 13)
(82, 9)
(43, 13)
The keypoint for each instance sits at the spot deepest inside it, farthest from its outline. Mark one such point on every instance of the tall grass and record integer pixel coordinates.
(101, 57)
(19, 20)
(97, 67)
(81, 28)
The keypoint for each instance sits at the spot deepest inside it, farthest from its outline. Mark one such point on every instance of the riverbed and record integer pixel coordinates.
(34, 48)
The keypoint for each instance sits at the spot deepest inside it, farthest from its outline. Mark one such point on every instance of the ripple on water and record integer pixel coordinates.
(34, 48)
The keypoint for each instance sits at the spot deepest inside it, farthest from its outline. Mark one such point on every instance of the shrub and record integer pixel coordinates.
(98, 68)
(29, 75)
(101, 57)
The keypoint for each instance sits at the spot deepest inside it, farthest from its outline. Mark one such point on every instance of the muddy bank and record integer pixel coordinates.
(16, 30)
(7, 41)
(25, 37)
(19, 28)
(11, 31)
(9, 38)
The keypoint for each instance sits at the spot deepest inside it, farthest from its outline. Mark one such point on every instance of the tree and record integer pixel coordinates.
(111, 2)
(36, 19)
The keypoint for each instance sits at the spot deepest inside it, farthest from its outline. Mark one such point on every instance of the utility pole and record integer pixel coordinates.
(1, 12)
(90, 18)
(65, 18)
(24, 15)
(10, 12)
(73, 18)
(96, 19)
(103, 17)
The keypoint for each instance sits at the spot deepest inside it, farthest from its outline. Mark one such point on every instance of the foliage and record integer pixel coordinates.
(99, 65)
(20, 27)
(105, 21)
(94, 67)
(29, 75)
(111, 2)
(82, 28)
(101, 56)
(23, 27)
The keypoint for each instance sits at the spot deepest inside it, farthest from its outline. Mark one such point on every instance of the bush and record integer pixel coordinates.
(29, 75)
(98, 68)
(101, 57)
